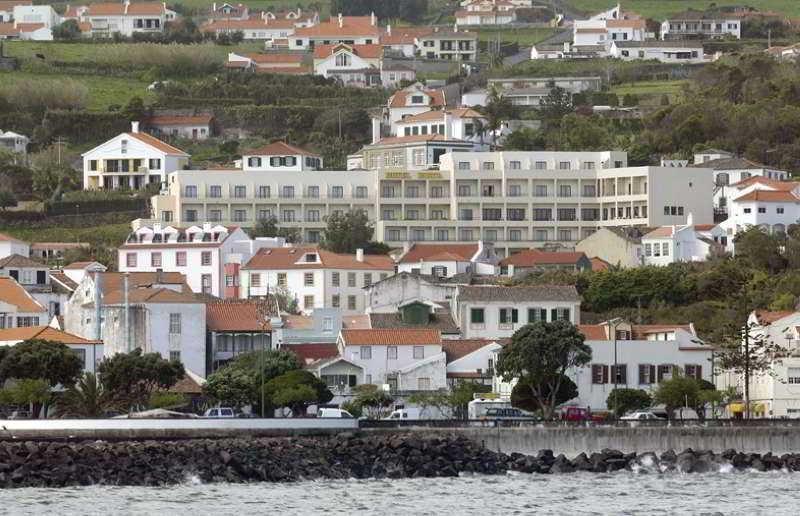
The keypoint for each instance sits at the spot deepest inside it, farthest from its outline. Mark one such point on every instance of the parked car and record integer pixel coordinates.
(641, 415)
(334, 413)
(220, 412)
(582, 414)
(507, 413)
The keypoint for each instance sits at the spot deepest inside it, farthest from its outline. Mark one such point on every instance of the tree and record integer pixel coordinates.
(34, 392)
(372, 401)
(87, 398)
(681, 391)
(524, 139)
(761, 250)
(297, 390)
(167, 400)
(522, 398)
(347, 232)
(498, 109)
(67, 30)
(539, 356)
(52, 362)
(269, 228)
(556, 104)
(461, 395)
(627, 400)
(130, 378)
(7, 200)
(239, 382)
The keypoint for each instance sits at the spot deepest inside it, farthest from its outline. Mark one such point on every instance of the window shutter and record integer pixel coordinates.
(502, 315)
(623, 374)
(652, 374)
(514, 315)
(553, 314)
(351, 380)
(643, 370)
(543, 315)
(605, 374)
(698, 372)
(597, 373)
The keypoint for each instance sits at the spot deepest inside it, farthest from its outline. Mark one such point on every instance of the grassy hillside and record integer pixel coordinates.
(661, 9)
(525, 37)
(651, 90)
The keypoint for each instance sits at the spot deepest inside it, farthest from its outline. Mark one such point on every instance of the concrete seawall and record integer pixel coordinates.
(572, 441)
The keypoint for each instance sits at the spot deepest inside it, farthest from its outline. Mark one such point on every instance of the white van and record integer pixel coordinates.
(334, 413)
(404, 414)
(220, 412)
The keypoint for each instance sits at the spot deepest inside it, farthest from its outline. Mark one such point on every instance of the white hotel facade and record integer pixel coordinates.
(514, 199)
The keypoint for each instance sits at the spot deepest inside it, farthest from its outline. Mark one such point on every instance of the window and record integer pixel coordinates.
(255, 279)
(424, 384)
(361, 192)
(281, 279)
(335, 301)
(540, 191)
(155, 259)
(351, 279)
(747, 210)
(175, 356)
(647, 374)
(477, 316)
(263, 192)
(665, 249)
(463, 165)
(308, 279)
(215, 191)
(793, 375)
(367, 279)
(564, 190)
(619, 374)
(205, 283)
(515, 190)
(335, 279)
(599, 374)
(508, 315)
(648, 249)
(366, 352)
(205, 258)
(537, 315)
(287, 192)
(559, 314)
(540, 165)
(391, 352)
(563, 165)
(487, 165)
(779, 210)
(337, 192)
(419, 352)
(351, 302)
(130, 259)
(190, 191)
(664, 372)
(313, 192)
(240, 191)
(515, 165)
(174, 324)
(308, 302)
(155, 164)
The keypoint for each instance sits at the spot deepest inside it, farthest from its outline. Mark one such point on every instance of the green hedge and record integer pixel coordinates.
(84, 126)
(100, 206)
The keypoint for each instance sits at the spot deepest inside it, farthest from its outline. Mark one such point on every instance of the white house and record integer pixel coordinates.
(414, 99)
(39, 14)
(460, 124)
(255, 27)
(770, 205)
(487, 12)
(352, 30)
(104, 19)
(522, 91)
(156, 313)
(10, 245)
(89, 351)
(645, 356)
(76, 271)
(732, 175)
(18, 308)
(209, 255)
(131, 160)
(404, 359)
(447, 260)
(702, 24)
(494, 312)
(15, 142)
(608, 26)
(349, 63)
(280, 157)
(34, 277)
(190, 127)
(25, 31)
(291, 63)
(683, 243)
(471, 360)
(451, 45)
(7, 8)
(620, 246)
(387, 296)
(774, 392)
(316, 278)
(670, 51)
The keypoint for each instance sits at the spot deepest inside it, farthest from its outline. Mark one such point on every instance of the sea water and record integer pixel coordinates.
(642, 492)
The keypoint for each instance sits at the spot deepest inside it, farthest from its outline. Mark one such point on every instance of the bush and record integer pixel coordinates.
(622, 401)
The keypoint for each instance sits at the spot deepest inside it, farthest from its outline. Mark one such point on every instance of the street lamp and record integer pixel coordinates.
(612, 324)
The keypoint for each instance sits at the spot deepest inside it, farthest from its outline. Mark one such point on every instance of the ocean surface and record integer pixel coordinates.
(773, 493)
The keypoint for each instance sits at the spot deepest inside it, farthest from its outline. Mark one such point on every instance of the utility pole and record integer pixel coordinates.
(59, 142)
(746, 372)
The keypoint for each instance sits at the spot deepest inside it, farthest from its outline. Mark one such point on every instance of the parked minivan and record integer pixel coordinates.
(334, 413)
(220, 412)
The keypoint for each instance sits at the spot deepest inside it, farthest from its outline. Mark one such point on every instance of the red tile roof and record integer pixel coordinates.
(364, 51)
(283, 258)
(404, 35)
(534, 257)
(461, 252)
(438, 114)
(633, 24)
(351, 26)
(238, 315)
(640, 331)
(179, 120)
(391, 337)
(411, 139)
(29, 27)
(279, 149)
(598, 264)
(307, 353)
(8, 5)
(224, 24)
(399, 98)
(774, 184)
(768, 317)
(12, 293)
(456, 349)
(8, 29)
(156, 143)
(276, 57)
(6, 238)
(43, 333)
(768, 196)
(285, 70)
(139, 8)
(143, 295)
(111, 281)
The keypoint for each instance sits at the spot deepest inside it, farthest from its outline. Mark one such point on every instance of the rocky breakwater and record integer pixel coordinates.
(153, 463)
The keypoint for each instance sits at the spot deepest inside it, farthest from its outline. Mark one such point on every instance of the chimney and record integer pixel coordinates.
(406, 247)
(359, 255)
(372, 18)
(206, 227)
(376, 130)
(566, 47)
(134, 127)
(389, 30)
(98, 311)
(341, 21)
(448, 129)
(213, 7)
(157, 227)
(690, 219)
(455, 27)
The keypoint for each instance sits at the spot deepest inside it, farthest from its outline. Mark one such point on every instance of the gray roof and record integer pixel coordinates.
(693, 14)
(535, 293)
(730, 164)
(658, 44)
(632, 234)
(17, 260)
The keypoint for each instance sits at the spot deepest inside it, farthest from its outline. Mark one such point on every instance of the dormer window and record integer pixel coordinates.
(311, 258)
(343, 60)
(254, 162)
(417, 99)
(124, 146)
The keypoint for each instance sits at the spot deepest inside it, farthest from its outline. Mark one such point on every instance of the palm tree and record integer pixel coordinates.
(87, 398)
